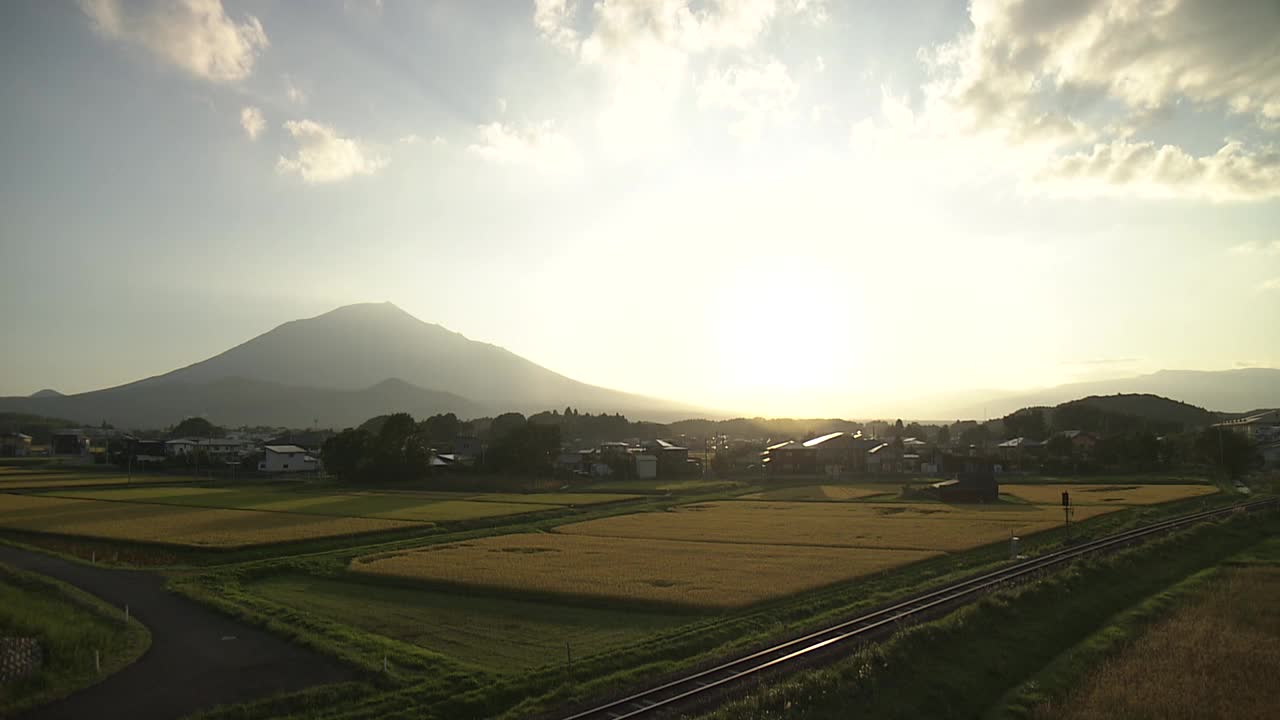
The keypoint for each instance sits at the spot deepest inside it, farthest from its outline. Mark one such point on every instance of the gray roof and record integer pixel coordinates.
(283, 449)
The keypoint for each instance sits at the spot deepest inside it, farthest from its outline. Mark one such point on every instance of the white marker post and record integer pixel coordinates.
(97, 662)
(126, 614)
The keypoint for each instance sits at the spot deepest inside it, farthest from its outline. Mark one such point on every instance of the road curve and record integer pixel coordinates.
(198, 658)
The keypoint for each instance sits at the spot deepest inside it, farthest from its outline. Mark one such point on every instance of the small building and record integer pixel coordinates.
(1258, 427)
(672, 459)
(840, 453)
(286, 459)
(973, 480)
(789, 458)
(15, 444)
(1082, 443)
(646, 466)
(69, 442)
(884, 458)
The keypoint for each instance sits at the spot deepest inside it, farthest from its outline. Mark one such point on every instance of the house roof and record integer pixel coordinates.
(821, 439)
(878, 448)
(784, 445)
(1021, 442)
(283, 449)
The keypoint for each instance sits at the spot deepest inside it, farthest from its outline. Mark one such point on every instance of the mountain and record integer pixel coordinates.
(1220, 391)
(47, 392)
(339, 369)
(241, 401)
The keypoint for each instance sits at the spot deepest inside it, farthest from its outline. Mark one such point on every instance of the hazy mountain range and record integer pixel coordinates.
(342, 367)
(1228, 391)
(339, 369)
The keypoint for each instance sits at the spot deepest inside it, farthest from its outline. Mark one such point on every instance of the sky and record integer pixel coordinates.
(784, 207)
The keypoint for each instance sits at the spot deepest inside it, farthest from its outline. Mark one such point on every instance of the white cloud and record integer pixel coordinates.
(1233, 173)
(323, 156)
(253, 122)
(539, 146)
(1254, 247)
(195, 35)
(291, 90)
(759, 93)
(643, 50)
(1272, 284)
(1060, 94)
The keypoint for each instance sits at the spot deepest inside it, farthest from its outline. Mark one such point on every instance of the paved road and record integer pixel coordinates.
(198, 657)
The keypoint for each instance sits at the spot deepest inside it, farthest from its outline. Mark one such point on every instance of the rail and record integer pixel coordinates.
(699, 684)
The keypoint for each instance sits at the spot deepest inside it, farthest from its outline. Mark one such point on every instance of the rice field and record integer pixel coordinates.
(911, 526)
(173, 525)
(433, 507)
(672, 572)
(16, 478)
(1107, 494)
(822, 493)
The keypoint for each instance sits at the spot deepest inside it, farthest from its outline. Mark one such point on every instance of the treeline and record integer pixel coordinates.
(395, 448)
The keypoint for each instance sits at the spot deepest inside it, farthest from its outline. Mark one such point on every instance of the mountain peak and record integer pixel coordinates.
(47, 392)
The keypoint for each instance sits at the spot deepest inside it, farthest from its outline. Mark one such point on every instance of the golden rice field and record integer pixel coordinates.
(665, 571)
(24, 479)
(915, 526)
(554, 498)
(176, 525)
(822, 493)
(1107, 494)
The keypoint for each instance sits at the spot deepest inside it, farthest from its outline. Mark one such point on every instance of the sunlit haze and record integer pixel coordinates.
(779, 207)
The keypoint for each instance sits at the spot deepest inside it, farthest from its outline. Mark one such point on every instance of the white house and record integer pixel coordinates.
(286, 459)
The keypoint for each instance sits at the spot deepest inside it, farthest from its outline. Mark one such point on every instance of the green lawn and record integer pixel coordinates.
(70, 625)
(504, 635)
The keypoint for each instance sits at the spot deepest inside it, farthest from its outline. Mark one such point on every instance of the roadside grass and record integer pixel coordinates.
(1156, 478)
(1215, 657)
(495, 633)
(634, 570)
(1120, 494)
(910, 526)
(661, 487)
(70, 625)
(962, 665)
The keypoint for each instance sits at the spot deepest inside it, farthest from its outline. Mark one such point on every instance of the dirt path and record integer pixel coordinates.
(198, 657)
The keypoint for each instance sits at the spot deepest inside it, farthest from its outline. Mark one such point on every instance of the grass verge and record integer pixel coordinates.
(70, 626)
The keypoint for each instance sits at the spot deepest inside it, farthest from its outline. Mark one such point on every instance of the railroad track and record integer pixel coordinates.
(703, 684)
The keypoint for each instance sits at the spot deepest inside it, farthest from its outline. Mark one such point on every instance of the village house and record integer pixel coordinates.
(286, 459)
(15, 444)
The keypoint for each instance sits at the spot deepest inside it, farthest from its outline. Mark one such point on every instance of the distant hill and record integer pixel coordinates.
(1150, 407)
(1229, 391)
(240, 401)
(334, 368)
(47, 392)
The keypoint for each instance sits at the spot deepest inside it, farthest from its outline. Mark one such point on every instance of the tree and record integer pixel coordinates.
(441, 428)
(944, 435)
(1230, 451)
(504, 424)
(196, 427)
(898, 429)
(915, 430)
(347, 454)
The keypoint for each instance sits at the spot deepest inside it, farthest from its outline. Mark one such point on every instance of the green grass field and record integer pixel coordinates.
(499, 634)
(70, 625)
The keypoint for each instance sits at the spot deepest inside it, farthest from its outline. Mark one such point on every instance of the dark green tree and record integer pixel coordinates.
(196, 427)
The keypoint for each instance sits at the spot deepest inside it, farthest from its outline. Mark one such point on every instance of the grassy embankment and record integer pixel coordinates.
(70, 626)
(1207, 647)
(963, 665)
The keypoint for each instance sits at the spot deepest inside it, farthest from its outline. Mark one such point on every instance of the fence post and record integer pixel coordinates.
(97, 662)
(126, 613)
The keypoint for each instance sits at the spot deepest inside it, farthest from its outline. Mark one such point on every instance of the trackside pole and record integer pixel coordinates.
(97, 661)
(568, 656)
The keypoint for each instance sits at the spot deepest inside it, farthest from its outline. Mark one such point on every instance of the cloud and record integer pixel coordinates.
(1101, 361)
(1272, 284)
(759, 93)
(1233, 173)
(1254, 247)
(1254, 364)
(323, 156)
(295, 94)
(643, 51)
(195, 35)
(253, 122)
(539, 146)
(1065, 89)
